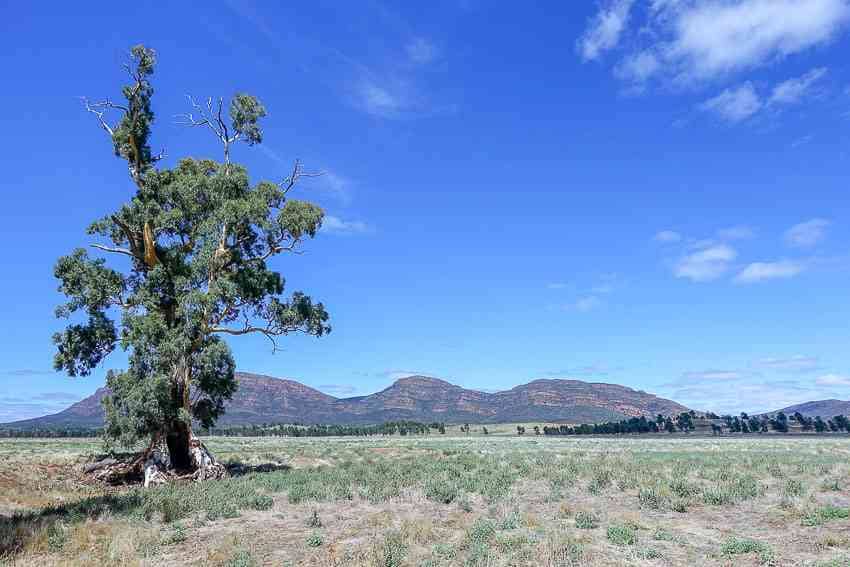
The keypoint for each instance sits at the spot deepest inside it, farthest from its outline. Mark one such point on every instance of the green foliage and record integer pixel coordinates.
(315, 539)
(391, 551)
(241, 558)
(825, 514)
(481, 532)
(198, 236)
(586, 520)
(740, 546)
(622, 534)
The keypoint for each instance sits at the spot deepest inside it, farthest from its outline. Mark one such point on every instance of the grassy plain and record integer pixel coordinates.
(495, 500)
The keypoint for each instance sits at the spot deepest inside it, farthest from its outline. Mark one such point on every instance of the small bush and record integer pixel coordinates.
(510, 522)
(825, 514)
(177, 534)
(57, 536)
(586, 520)
(241, 559)
(314, 521)
(740, 546)
(391, 551)
(481, 531)
(792, 488)
(315, 539)
(622, 534)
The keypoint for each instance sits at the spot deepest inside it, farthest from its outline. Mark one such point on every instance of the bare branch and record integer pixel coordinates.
(99, 109)
(296, 174)
(115, 250)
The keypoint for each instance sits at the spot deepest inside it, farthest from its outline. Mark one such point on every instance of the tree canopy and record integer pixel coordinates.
(195, 240)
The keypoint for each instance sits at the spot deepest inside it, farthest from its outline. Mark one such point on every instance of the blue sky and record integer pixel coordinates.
(651, 193)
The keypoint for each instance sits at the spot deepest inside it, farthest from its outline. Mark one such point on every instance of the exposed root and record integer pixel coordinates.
(153, 466)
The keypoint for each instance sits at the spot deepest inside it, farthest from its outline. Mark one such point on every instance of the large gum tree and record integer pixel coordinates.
(188, 264)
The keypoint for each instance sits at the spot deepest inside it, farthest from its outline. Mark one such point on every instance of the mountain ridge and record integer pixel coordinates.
(824, 408)
(266, 399)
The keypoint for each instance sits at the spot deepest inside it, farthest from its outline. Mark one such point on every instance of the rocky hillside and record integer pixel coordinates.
(263, 399)
(823, 408)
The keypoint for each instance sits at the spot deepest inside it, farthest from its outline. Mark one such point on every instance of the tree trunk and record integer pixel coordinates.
(179, 439)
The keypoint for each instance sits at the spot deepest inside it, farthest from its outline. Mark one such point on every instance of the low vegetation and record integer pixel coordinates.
(448, 499)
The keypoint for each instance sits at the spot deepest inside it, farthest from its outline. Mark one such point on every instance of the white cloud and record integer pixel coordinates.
(707, 264)
(793, 90)
(638, 67)
(583, 304)
(667, 236)
(379, 100)
(421, 51)
(749, 397)
(761, 271)
(734, 104)
(715, 37)
(833, 380)
(688, 41)
(589, 303)
(807, 234)
(796, 363)
(740, 232)
(336, 225)
(712, 375)
(604, 30)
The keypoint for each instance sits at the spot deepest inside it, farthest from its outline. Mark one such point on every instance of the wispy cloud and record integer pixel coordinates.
(706, 264)
(738, 232)
(711, 375)
(421, 51)
(590, 370)
(734, 104)
(794, 90)
(667, 236)
(28, 372)
(605, 28)
(335, 225)
(688, 45)
(763, 271)
(807, 234)
(796, 363)
(840, 380)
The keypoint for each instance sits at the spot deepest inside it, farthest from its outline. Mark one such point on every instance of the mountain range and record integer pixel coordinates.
(823, 408)
(264, 399)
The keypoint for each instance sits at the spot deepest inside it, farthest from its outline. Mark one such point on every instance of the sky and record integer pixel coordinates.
(645, 192)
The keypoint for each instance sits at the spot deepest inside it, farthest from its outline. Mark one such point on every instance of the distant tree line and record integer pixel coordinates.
(682, 422)
(264, 430)
(319, 430)
(780, 422)
(50, 433)
(685, 422)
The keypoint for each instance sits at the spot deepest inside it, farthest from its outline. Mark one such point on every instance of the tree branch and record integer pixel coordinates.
(115, 250)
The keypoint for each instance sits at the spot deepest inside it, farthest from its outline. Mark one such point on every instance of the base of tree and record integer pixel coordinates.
(154, 467)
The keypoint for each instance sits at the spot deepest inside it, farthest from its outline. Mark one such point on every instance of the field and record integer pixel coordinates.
(497, 500)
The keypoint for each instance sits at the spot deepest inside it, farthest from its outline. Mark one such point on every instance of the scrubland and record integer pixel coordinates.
(443, 500)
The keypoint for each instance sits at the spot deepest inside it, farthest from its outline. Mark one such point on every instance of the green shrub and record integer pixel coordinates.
(391, 551)
(740, 546)
(315, 539)
(586, 520)
(481, 531)
(825, 514)
(241, 559)
(622, 534)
